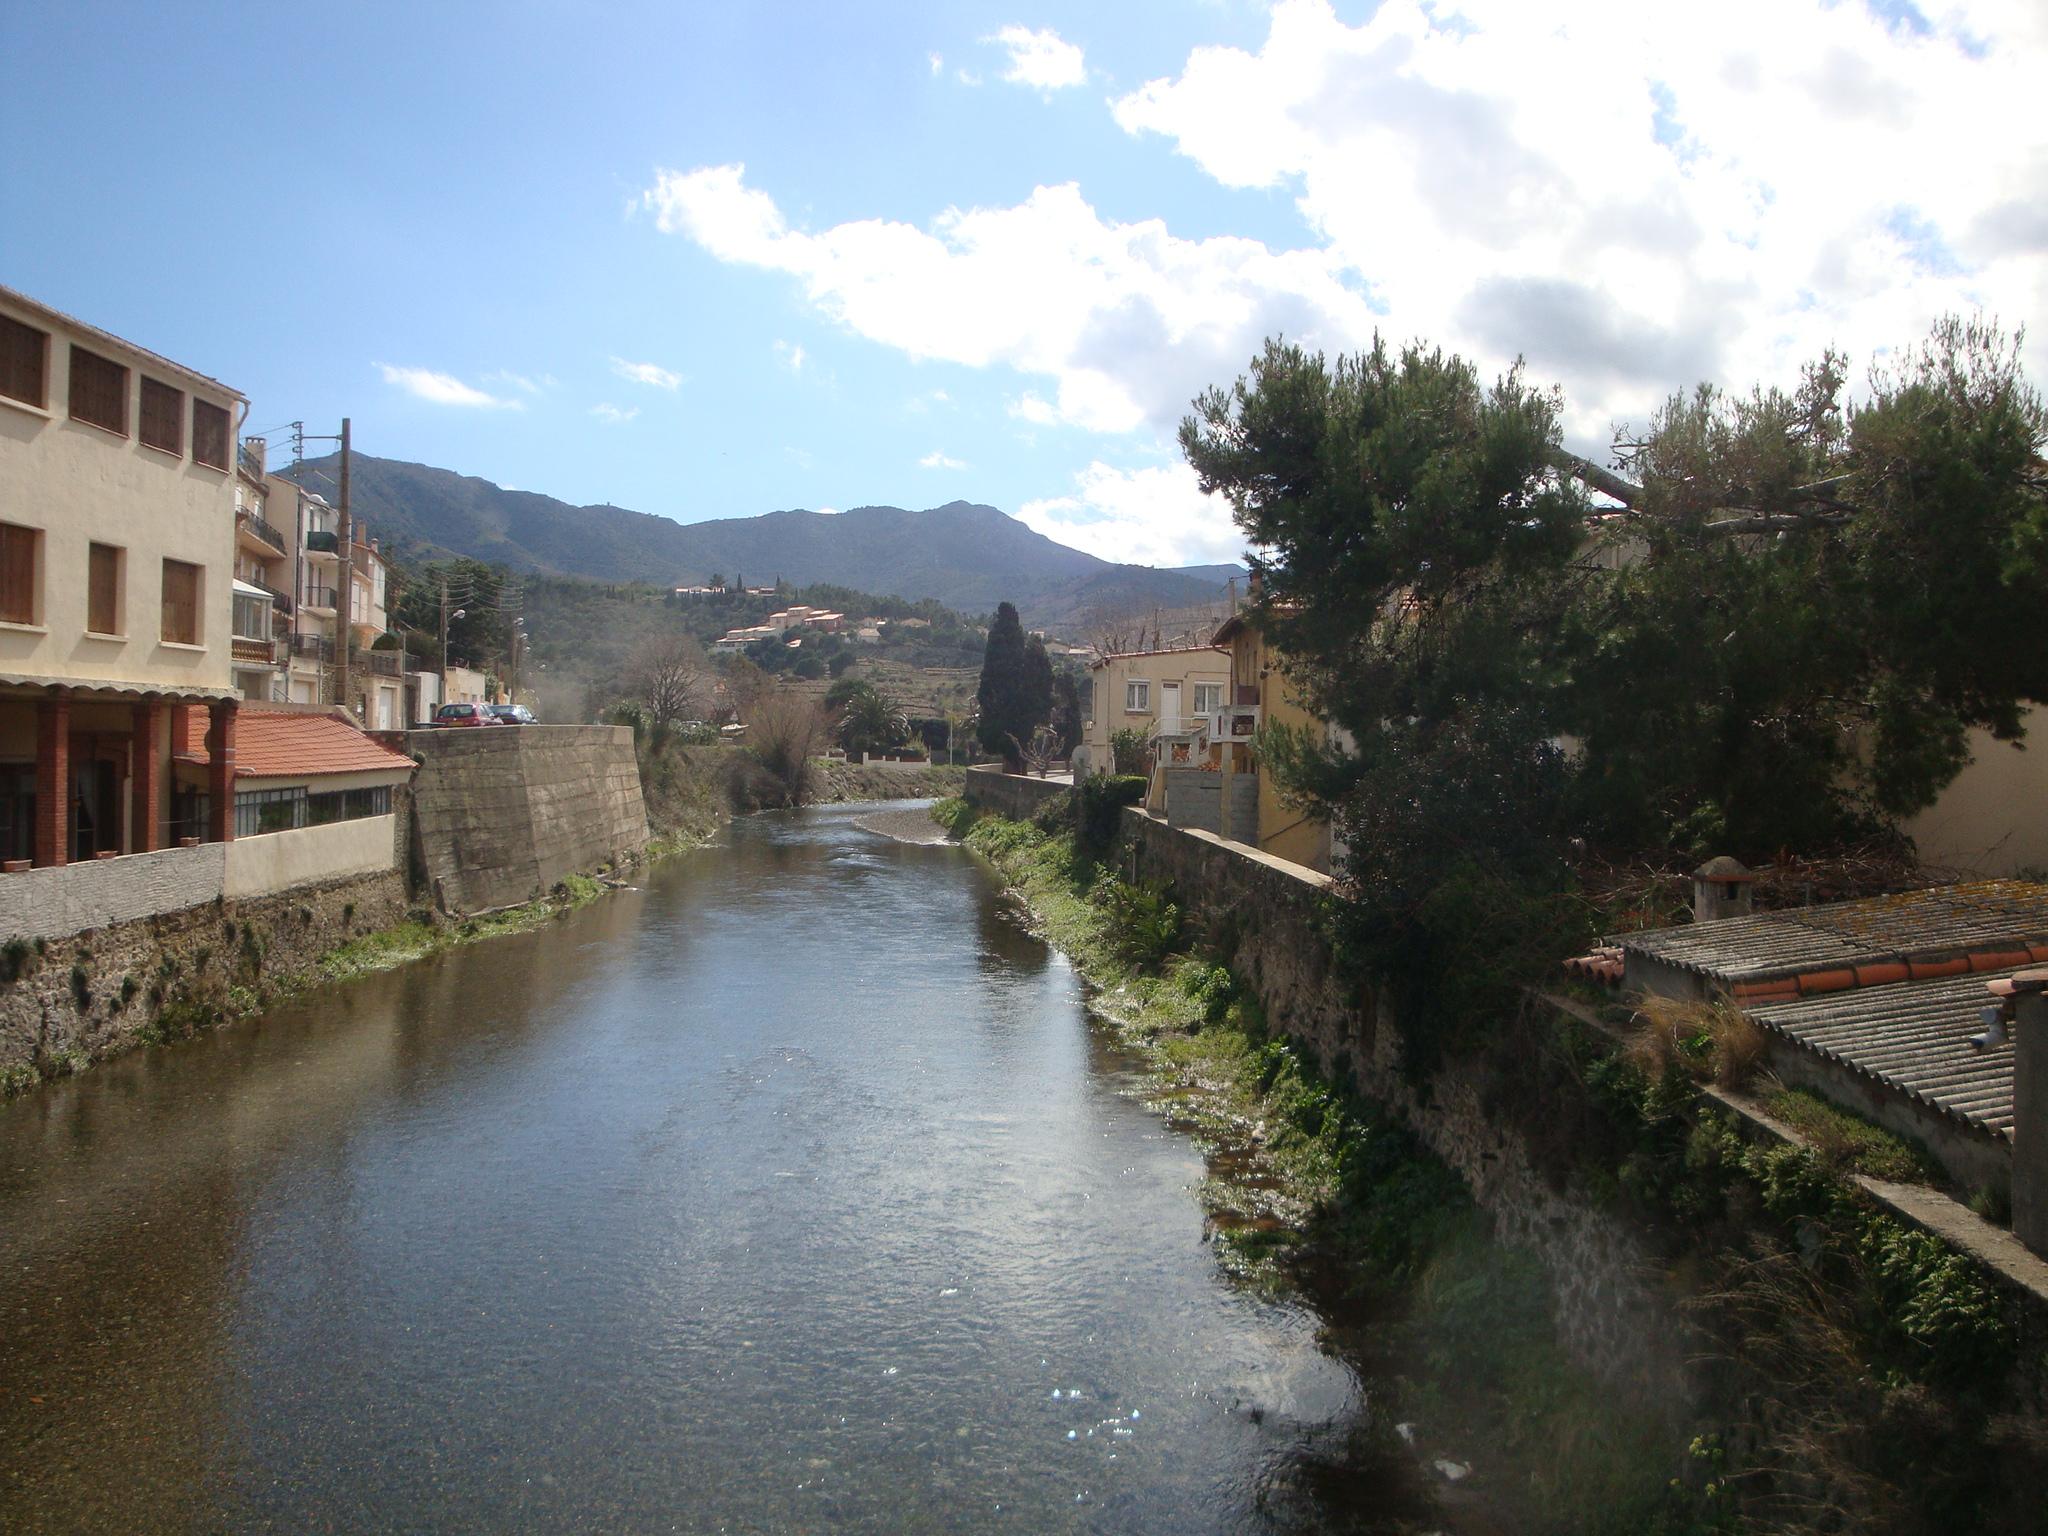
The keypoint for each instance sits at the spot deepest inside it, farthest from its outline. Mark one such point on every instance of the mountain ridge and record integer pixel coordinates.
(968, 555)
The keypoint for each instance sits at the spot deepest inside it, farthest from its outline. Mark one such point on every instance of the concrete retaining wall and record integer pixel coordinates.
(1014, 795)
(501, 816)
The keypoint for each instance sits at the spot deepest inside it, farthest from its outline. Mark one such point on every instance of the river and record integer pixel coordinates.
(795, 1191)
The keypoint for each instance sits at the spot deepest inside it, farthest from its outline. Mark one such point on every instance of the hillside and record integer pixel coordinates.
(967, 556)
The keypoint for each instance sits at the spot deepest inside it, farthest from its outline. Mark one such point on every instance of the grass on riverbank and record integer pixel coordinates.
(420, 936)
(1311, 1187)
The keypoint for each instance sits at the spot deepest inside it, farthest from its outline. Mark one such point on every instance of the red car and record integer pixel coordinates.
(464, 714)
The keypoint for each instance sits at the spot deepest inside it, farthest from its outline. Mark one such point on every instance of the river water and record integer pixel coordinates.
(795, 1191)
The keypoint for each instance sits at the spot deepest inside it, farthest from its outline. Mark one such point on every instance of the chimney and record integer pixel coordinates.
(1721, 888)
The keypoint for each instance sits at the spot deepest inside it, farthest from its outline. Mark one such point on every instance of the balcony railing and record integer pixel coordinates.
(384, 663)
(327, 543)
(249, 648)
(313, 647)
(250, 455)
(319, 597)
(261, 530)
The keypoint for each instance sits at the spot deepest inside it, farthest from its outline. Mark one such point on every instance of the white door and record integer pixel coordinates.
(1169, 708)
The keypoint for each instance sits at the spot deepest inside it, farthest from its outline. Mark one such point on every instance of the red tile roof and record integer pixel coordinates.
(281, 744)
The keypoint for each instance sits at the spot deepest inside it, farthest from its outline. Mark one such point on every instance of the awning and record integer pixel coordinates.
(109, 687)
(249, 589)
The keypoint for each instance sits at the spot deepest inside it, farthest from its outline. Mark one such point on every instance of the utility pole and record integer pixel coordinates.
(345, 599)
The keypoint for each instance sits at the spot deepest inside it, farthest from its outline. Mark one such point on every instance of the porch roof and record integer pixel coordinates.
(116, 688)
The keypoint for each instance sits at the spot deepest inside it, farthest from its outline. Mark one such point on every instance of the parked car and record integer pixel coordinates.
(465, 714)
(513, 714)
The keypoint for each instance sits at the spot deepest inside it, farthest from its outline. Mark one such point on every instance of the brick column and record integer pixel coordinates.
(220, 770)
(146, 813)
(53, 779)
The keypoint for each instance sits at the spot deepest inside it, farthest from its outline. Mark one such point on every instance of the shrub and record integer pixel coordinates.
(1128, 752)
(1144, 923)
(1098, 800)
(955, 815)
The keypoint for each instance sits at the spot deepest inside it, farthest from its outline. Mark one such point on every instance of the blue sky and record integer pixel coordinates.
(714, 260)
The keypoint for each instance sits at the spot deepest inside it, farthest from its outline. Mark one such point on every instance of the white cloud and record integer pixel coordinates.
(937, 63)
(520, 381)
(792, 356)
(828, 511)
(1033, 408)
(646, 373)
(966, 77)
(1638, 197)
(1042, 59)
(938, 459)
(1126, 321)
(604, 410)
(1151, 516)
(443, 389)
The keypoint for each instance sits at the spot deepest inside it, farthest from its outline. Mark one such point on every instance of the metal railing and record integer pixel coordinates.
(323, 543)
(318, 647)
(319, 597)
(263, 530)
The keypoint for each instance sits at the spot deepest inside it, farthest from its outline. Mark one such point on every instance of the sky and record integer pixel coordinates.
(716, 260)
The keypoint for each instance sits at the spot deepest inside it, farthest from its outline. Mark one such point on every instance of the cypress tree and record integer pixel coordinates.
(1003, 693)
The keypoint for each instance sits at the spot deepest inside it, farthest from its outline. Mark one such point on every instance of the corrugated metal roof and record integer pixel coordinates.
(1913, 1036)
(1941, 920)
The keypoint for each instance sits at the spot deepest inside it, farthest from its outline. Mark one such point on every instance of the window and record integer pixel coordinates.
(20, 551)
(103, 589)
(209, 435)
(99, 391)
(163, 416)
(1137, 697)
(181, 603)
(24, 362)
(252, 617)
(348, 804)
(269, 810)
(1208, 698)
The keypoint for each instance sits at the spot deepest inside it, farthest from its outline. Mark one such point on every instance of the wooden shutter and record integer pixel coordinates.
(18, 573)
(24, 361)
(99, 391)
(163, 416)
(181, 602)
(103, 590)
(209, 435)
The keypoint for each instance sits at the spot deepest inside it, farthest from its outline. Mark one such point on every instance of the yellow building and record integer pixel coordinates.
(1150, 692)
(117, 519)
(1261, 694)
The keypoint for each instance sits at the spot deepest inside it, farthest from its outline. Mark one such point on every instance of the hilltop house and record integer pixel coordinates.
(117, 497)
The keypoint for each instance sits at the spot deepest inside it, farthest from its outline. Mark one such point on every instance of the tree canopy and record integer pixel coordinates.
(1014, 696)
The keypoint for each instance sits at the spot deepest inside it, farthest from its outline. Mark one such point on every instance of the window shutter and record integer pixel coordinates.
(99, 391)
(209, 435)
(103, 590)
(163, 416)
(181, 602)
(24, 360)
(18, 573)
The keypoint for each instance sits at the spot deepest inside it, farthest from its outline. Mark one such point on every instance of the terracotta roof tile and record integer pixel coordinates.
(279, 744)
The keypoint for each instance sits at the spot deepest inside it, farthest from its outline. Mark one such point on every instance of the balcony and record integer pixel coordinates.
(319, 599)
(257, 652)
(383, 663)
(257, 534)
(313, 647)
(323, 546)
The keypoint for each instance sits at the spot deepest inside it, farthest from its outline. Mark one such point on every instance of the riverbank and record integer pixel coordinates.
(1315, 1191)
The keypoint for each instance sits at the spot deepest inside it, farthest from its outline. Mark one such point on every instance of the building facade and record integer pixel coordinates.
(117, 497)
(1150, 692)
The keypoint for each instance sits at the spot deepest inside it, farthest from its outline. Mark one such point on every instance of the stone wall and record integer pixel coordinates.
(70, 898)
(1261, 912)
(501, 816)
(1010, 794)
(66, 1002)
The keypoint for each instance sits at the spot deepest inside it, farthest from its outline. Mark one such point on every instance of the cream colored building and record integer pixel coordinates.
(1149, 692)
(117, 498)
(260, 624)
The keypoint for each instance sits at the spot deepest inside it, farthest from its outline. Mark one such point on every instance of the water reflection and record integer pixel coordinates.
(792, 1192)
